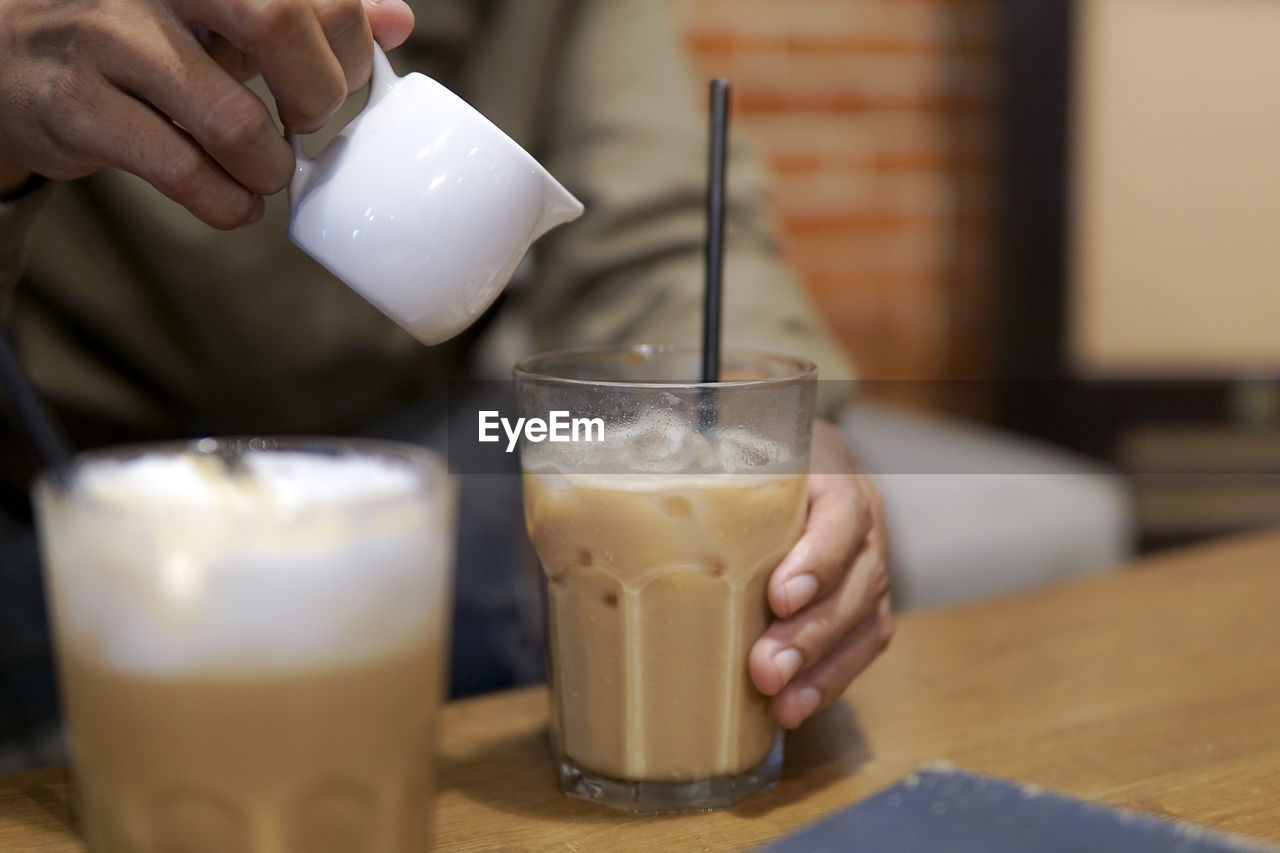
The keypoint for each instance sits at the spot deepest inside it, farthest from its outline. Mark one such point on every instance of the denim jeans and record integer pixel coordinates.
(28, 696)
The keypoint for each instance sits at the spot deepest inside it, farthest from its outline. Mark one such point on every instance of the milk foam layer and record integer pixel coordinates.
(171, 563)
(279, 483)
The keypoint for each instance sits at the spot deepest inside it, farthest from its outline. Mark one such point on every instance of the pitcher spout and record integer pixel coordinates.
(558, 207)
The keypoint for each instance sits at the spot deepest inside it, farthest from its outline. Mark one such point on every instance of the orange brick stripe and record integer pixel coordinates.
(712, 43)
(863, 221)
(876, 117)
(801, 163)
(860, 102)
(859, 221)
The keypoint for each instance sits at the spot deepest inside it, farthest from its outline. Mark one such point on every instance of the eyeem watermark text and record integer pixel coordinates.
(559, 426)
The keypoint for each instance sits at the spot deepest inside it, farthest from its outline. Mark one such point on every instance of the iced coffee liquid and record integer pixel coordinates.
(335, 760)
(249, 658)
(656, 588)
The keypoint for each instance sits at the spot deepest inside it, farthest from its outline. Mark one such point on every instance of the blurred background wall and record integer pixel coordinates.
(878, 117)
(1070, 201)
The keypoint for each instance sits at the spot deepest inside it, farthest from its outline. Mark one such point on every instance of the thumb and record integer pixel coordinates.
(390, 20)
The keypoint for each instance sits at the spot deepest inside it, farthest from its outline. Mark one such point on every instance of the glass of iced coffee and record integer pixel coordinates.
(659, 506)
(249, 640)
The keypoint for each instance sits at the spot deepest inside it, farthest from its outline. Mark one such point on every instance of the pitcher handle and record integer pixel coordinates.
(382, 79)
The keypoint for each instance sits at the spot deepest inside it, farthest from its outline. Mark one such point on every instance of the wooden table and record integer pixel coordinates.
(1156, 688)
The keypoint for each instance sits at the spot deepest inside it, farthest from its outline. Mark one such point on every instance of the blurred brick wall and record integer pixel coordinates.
(876, 116)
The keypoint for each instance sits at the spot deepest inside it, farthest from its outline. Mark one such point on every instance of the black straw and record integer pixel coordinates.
(50, 439)
(716, 162)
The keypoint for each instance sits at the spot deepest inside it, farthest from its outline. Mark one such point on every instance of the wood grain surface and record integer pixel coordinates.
(1155, 687)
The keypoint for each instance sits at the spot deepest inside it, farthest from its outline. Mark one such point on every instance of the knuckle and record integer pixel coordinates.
(307, 110)
(224, 207)
(820, 631)
(179, 174)
(327, 95)
(69, 124)
(334, 90)
(337, 16)
(880, 582)
(828, 568)
(334, 85)
(88, 34)
(229, 215)
(864, 515)
(238, 122)
(64, 90)
(827, 563)
(60, 163)
(276, 181)
(268, 19)
(884, 631)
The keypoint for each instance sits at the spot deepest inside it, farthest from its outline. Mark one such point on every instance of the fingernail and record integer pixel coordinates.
(788, 662)
(809, 698)
(800, 591)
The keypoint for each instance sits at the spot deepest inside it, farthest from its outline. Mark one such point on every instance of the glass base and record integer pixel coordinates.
(644, 797)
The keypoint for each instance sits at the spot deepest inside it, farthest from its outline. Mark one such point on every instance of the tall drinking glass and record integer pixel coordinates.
(249, 638)
(659, 506)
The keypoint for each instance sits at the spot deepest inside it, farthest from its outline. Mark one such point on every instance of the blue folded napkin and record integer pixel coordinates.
(944, 810)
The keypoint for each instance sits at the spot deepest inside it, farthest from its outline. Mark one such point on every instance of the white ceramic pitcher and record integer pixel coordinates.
(422, 205)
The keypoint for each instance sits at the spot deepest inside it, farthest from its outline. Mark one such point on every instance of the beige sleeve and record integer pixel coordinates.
(16, 218)
(628, 133)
